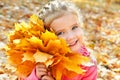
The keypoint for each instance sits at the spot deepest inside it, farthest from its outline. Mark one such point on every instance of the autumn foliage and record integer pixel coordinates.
(30, 43)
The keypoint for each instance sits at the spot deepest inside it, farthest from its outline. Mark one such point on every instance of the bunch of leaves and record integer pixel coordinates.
(30, 43)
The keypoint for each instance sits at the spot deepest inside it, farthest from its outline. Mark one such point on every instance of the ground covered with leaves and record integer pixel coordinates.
(101, 29)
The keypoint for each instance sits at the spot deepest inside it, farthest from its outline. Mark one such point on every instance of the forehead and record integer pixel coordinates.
(65, 20)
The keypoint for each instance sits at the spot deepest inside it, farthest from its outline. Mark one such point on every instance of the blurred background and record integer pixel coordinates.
(101, 29)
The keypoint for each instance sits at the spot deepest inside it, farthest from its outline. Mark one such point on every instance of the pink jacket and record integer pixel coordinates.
(91, 71)
(32, 76)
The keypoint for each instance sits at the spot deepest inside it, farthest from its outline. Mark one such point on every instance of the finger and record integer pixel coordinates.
(46, 77)
(39, 74)
(41, 65)
(41, 69)
(49, 71)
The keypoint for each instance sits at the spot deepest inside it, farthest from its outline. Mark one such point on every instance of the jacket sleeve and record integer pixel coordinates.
(91, 73)
(32, 76)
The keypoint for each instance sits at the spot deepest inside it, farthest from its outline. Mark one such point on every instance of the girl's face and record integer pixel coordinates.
(68, 28)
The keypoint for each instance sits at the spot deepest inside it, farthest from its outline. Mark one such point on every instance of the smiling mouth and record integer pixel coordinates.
(71, 45)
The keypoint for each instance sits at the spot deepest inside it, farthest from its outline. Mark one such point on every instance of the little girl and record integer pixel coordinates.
(65, 20)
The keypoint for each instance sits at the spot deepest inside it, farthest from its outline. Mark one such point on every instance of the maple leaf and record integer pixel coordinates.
(42, 57)
(25, 68)
(14, 57)
(37, 43)
(65, 64)
(36, 23)
(22, 27)
(28, 56)
(45, 37)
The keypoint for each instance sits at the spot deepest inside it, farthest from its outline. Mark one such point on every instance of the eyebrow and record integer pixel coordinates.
(56, 32)
(74, 24)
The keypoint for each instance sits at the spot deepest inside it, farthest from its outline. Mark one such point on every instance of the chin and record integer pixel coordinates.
(75, 49)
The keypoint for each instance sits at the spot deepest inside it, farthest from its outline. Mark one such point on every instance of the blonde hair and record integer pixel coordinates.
(57, 8)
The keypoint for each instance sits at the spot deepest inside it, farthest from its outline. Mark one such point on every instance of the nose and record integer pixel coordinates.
(70, 36)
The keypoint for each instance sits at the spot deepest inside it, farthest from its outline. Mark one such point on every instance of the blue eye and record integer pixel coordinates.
(60, 33)
(74, 27)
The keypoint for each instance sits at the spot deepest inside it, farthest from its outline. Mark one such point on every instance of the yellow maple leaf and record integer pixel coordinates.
(57, 71)
(66, 64)
(37, 43)
(28, 56)
(53, 46)
(36, 23)
(77, 58)
(65, 49)
(42, 57)
(45, 37)
(71, 66)
(22, 27)
(16, 41)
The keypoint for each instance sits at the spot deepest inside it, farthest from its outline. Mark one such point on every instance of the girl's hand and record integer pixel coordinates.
(42, 72)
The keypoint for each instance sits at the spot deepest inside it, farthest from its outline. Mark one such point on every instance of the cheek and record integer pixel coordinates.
(79, 35)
